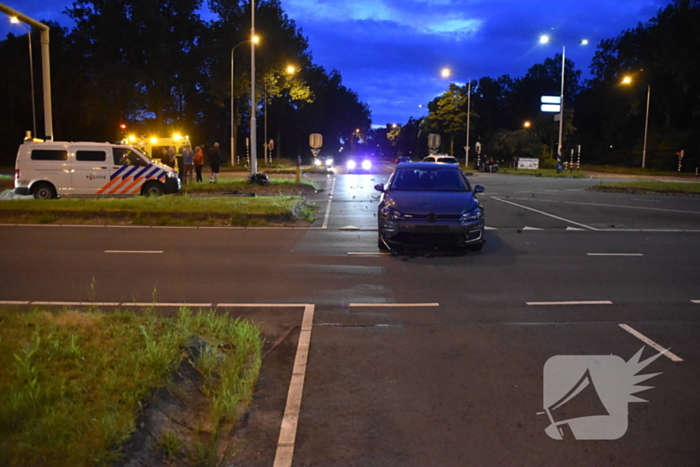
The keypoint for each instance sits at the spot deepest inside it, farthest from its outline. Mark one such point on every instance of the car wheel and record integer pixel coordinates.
(44, 191)
(152, 189)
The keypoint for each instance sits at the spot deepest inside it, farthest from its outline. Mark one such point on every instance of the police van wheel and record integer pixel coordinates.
(44, 191)
(153, 189)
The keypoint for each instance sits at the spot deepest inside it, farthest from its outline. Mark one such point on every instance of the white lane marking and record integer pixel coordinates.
(55, 303)
(261, 305)
(290, 420)
(615, 254)
(589, 302)
(531, 228)
(490, 228)
(651, 343)
(145, 252)
(393, 305)
(359, 253)
(631, 207)
(165, 304)
(349, 227)
(575, 229)
(328, 208)
(13, 302)
(154, 304)
(696, 301)
(546, 214)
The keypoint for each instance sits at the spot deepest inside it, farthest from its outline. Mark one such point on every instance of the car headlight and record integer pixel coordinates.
(317, 162)
(472, 216)
(390, 213)
(329, 161)
(366, 165)
(351, 165)
(172, 175)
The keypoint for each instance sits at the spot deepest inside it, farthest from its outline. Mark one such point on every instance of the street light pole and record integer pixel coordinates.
(233, 114)
(445, 73)
(15, 20)
(253, 100)
(544, 40)
(628, 80)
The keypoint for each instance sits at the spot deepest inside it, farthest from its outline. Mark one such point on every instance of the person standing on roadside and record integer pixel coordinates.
(214, 156)
(188, 162)
(198, 162)
(170, 155)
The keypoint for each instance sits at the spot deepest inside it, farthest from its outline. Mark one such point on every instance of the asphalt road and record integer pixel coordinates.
(436, 359)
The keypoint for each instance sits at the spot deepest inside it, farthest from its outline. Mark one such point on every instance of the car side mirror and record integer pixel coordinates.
(379, 187)
(478, 189)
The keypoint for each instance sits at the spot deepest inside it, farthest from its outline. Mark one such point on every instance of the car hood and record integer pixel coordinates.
(436, 202)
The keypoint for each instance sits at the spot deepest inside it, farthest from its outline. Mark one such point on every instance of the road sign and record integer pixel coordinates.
(550, 108)
(433, 140)
(316, 140)
(550, 99)
(477, 147)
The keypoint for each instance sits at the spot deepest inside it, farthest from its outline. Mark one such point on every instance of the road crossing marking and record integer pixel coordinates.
(651, 343)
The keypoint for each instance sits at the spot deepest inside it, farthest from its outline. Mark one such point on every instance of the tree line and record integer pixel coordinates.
(603, 116)
(158, 68)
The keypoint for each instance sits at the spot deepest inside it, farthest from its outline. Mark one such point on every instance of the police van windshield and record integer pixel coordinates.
(130, 156)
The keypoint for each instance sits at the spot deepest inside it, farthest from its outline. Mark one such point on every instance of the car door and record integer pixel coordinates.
(91, 170)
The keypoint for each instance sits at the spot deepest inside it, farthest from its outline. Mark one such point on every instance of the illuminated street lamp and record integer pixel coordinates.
(446, 72)
(253, 101)
(628, 80)
(527, 124)
(544, 40)
(15, 20)
(255, 40)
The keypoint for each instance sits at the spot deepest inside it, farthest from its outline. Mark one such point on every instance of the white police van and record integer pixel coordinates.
(49, 169)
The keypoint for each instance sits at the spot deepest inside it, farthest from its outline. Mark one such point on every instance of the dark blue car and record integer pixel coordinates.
(430, 204)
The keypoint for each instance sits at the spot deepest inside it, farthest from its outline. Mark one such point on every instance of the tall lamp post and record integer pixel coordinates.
(628, 80)
(255, 40)
(446, 72)
(253, 99)
(544, 40)
(15, 20)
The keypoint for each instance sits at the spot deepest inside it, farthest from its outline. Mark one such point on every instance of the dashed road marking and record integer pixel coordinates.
(651, 343)
(393, 305)
(615, 254)
(583, 302)
(144, 252)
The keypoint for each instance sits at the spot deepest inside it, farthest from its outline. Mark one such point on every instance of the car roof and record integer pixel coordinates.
(427, 165)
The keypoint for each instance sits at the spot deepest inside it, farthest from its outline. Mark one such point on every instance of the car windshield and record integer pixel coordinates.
(428, 179)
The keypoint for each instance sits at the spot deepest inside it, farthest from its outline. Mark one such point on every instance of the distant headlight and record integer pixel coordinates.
(472, 216)
(317, 161)
(390, 213)
(329, 161)
(172, 175)
(366, 165)
(351, 165)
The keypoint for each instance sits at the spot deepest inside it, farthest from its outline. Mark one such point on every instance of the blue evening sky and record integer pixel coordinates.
(391, 51)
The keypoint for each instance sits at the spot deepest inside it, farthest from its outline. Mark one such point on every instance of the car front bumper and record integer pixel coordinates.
(432, 233)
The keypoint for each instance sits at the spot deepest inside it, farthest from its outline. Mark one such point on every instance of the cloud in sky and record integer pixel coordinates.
(391, 51)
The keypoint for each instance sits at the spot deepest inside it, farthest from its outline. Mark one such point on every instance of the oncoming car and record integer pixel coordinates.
(429, 204)
(323, 162)
(359, 165)
(65, 169)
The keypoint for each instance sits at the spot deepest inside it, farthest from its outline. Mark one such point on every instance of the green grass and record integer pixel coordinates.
(162, 210)
(650, 187)
(635, 171)
(548, 173)
(73, 382)
(277, 186)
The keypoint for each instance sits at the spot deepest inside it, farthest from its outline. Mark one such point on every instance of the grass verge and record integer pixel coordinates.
(74, 383)
(277, 187)
(653, 187)
(548, 173)
(163, 210)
